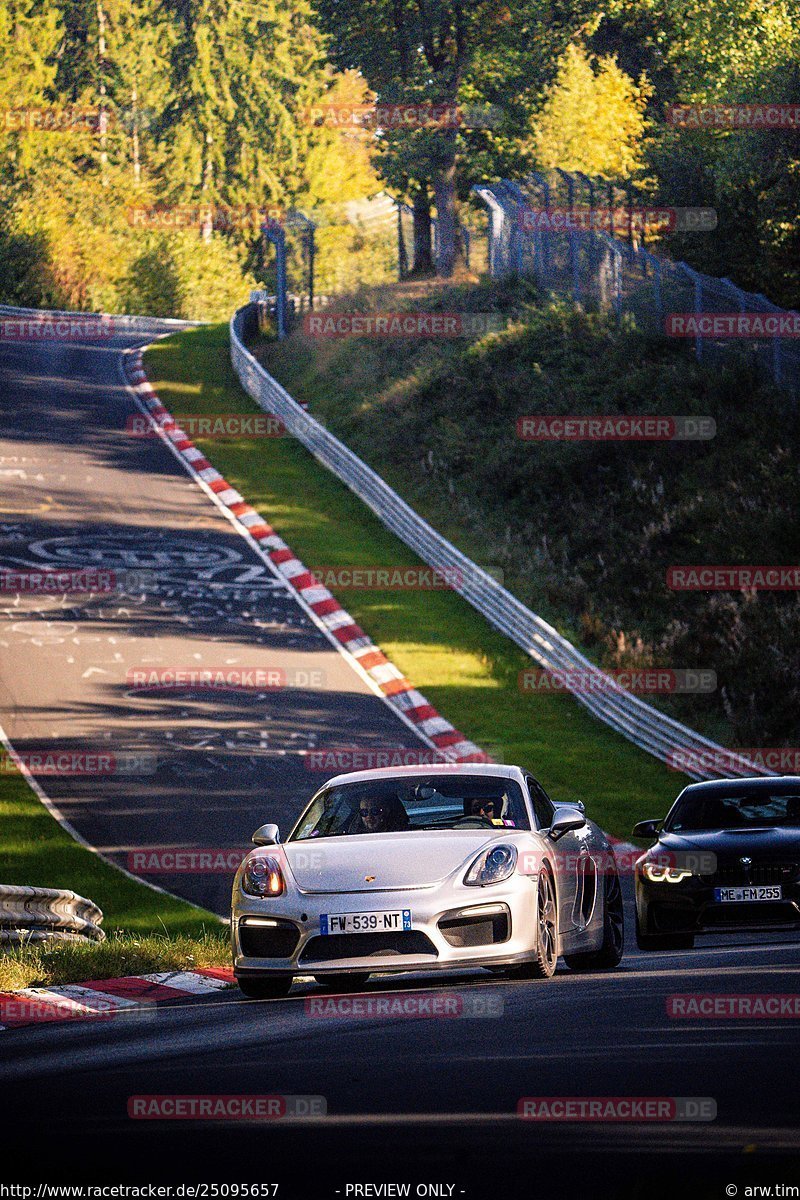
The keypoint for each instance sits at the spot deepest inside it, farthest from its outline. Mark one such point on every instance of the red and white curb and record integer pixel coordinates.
(349, 637)
(104, 999)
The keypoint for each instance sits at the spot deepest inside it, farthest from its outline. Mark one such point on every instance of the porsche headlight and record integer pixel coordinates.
(492, 866)
(659, 872)
(263, 876)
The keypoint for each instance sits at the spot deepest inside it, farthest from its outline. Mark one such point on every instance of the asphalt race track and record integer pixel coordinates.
(197, 768)
(424, 1100)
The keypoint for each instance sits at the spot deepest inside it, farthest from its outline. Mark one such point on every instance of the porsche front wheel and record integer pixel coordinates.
(543, 963)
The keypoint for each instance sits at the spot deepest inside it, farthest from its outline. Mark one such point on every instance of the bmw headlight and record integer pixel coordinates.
(659, 872)
(492, 866)
(262, 876)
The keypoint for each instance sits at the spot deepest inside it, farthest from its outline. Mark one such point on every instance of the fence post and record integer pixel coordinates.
(497, 218)
(573, 254)
(274, 233)
(544, 252)
(698, 307)
(656, 263)
(610, 190)
(311, 246)
(777, 345)
(617, 281)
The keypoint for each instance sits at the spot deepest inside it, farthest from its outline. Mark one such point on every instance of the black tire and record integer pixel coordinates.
(265, 987)
(543, 963)
(342, 983)
(669, 941)
(610, 952)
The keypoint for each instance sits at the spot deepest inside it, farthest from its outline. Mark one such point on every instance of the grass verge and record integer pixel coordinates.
(464, 667)
(120, 955)
(36, 851)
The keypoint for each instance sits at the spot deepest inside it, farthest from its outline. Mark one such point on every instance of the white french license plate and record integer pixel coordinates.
(365, 922)
(741, 895)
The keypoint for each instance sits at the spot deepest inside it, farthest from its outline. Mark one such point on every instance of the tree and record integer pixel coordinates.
(592, 119)
(447, 52)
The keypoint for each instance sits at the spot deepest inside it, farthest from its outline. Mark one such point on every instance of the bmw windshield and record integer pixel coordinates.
(697, 812)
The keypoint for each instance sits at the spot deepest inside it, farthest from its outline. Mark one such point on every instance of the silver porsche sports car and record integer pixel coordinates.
(436, 868)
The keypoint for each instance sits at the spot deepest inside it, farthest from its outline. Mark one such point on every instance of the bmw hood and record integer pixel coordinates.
(382, 861)
(763, 840)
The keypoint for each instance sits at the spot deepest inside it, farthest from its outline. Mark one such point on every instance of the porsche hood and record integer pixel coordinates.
(383, 861)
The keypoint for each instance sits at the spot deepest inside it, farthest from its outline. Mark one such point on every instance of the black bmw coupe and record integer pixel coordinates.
(726, 857)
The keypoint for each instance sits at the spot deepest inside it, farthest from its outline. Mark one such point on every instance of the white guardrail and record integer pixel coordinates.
(645, 726)
(35, 914)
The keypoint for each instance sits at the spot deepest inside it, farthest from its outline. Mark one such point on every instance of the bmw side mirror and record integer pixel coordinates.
(566, 820)
(646, 829)
(266, 835)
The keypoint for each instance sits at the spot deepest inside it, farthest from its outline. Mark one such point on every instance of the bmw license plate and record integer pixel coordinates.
(741, 895)
(365, 922)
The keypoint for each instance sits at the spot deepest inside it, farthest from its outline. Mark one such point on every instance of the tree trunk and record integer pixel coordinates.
(423, 254)
(450, 249)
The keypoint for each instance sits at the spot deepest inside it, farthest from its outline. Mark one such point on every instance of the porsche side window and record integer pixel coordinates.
(542, 805)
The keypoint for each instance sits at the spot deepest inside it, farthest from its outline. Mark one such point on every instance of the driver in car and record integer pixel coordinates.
(382, 815)
(482, 806)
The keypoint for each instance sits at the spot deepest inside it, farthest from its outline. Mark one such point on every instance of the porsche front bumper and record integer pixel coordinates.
(451, 928)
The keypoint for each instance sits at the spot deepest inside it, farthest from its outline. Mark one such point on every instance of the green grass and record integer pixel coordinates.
(466, 669)
(121, 955)
(584, 532)
(35, 850)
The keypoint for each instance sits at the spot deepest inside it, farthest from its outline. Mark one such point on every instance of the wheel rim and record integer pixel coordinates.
(615, 915)
(547, 920)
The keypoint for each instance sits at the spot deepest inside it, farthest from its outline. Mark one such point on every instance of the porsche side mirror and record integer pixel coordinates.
(646, 829)
(266, 835)
(565, 821)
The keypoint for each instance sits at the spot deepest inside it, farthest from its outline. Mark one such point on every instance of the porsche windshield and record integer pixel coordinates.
(744, 810)
(391, 805)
